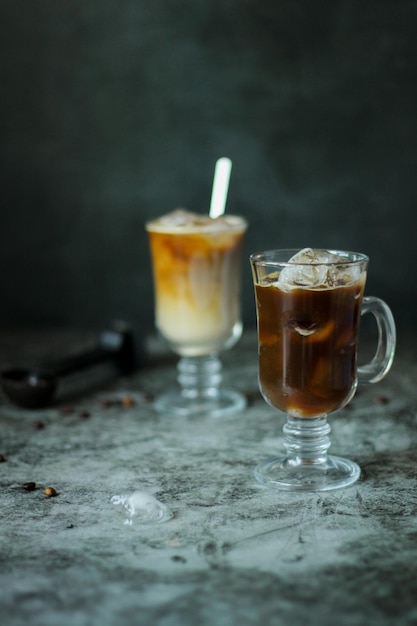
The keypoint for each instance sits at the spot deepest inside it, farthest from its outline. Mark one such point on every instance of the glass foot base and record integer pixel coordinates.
(301, 475)
(223, 402)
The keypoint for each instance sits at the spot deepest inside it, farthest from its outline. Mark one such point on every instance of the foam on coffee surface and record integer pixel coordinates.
(183, 221)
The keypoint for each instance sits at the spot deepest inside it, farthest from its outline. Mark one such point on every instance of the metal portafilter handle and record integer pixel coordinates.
(35, 388)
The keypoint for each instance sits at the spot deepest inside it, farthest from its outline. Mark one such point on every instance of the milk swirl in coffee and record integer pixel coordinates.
(196, 266)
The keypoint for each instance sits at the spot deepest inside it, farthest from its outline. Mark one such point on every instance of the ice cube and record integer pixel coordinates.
(342, 274)
(142, 507)
(306, 271)
(317, 269)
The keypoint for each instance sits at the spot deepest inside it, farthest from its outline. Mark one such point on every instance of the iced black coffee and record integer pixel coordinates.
(308, 321)
(308, 306)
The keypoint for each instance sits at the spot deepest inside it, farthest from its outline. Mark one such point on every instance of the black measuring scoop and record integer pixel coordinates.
(35, 388)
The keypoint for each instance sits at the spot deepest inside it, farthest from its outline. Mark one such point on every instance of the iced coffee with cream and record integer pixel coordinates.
(196, 264)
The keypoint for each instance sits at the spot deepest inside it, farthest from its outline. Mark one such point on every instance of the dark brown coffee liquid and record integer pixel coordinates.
(307, 347)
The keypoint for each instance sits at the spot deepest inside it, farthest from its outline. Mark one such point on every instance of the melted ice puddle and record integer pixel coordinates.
(141, 507)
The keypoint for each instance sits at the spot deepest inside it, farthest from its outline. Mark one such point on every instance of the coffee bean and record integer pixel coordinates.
(107, 402)
(67, 410)
(178, 559)
(381, 400)
(29, 486)
(127, 401)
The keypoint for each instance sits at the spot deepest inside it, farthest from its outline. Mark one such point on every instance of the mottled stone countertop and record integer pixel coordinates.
(232, 551)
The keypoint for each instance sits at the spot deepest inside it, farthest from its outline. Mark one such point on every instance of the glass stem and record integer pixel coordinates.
(199, 377)
(307, 440)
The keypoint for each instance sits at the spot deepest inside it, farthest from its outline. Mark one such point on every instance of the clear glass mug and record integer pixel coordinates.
(309, 305)
(196, 262)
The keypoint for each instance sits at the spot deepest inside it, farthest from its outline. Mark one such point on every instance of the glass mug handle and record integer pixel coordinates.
(379, 366)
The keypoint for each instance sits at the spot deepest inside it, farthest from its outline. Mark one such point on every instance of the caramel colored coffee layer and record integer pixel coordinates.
(196, 269)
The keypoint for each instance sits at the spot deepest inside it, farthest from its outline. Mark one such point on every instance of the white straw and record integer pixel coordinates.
(220, 186)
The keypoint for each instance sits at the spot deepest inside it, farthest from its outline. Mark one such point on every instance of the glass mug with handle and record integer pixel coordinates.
(309, 305)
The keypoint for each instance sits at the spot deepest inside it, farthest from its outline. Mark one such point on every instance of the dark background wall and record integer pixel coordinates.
(113, 112)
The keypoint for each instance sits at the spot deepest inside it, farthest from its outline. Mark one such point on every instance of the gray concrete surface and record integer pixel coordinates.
(232, 551)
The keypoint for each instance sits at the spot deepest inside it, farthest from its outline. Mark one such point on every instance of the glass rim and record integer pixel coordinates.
(267, 257)
(202, 225)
